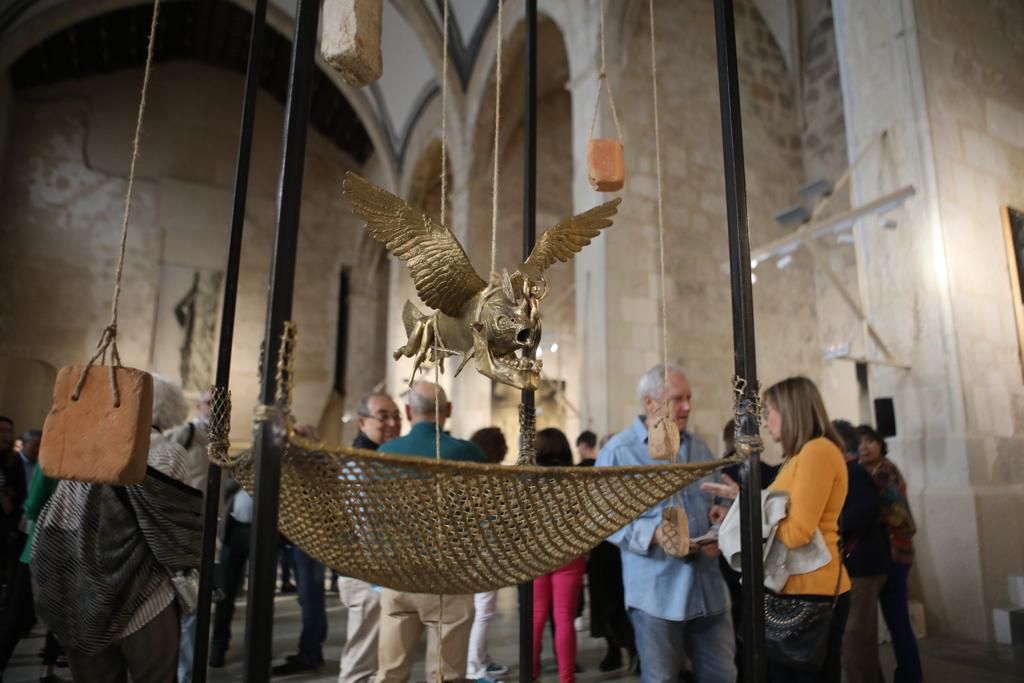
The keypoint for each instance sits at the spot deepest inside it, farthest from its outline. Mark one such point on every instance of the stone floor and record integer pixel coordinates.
(945, 661)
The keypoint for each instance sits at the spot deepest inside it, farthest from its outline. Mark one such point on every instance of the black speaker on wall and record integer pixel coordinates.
(885, 417)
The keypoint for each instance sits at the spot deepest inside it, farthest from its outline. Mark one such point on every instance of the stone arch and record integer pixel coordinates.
(554, 202)
(57, 17)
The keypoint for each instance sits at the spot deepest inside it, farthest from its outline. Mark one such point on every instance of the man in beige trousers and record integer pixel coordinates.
(404, 615)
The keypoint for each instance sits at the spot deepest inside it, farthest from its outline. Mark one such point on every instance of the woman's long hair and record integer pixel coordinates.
(803, 414)
(553, 449)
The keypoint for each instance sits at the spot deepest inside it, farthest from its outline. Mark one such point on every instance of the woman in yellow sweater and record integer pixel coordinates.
(814, 476)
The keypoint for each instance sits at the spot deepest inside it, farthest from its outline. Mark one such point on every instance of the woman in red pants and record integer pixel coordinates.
(557, 593)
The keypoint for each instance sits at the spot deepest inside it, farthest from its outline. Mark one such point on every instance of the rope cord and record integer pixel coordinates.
(661, 216)
(497, 142)
(444, 117)
(602, 83)
(108, 338)
(437, 358)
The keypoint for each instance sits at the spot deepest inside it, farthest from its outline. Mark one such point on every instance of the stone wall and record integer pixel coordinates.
(699, 305)
(938, 284)
(64, 187)
(971, 56)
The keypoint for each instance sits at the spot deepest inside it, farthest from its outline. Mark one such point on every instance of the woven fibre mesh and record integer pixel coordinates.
(426, 526)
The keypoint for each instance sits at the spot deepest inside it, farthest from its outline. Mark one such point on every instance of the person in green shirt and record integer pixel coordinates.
(404, 615)
(20, 615)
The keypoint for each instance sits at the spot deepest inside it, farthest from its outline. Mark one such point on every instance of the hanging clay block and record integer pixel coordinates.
(662, 436)
(675, 530)
(606, 166)
(350, 39)
(89, 439)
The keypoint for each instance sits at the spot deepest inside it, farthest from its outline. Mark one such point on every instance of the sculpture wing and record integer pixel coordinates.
(563, 241)
(441, 271)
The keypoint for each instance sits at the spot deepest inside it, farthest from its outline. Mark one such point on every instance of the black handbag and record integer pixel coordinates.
(796, 627)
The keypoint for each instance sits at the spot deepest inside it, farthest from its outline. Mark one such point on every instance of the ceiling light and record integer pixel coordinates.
(554, 347)
(784, 262)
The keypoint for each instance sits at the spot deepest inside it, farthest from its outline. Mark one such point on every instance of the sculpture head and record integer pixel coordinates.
(507, 330)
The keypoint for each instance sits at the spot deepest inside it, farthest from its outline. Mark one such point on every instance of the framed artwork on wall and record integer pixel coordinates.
(1013, 231)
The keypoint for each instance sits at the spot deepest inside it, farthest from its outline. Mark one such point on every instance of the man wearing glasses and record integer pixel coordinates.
(379, 421)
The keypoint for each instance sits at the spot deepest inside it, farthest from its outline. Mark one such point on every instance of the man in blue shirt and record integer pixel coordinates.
(403, 615)
(675, 604)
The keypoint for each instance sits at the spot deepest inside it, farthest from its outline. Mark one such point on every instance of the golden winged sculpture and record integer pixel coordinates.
(489, 322)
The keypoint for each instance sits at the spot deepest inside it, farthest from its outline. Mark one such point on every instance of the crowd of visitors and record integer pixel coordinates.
(675, 618)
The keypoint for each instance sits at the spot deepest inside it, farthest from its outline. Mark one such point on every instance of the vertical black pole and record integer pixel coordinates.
(743, 338)
(227, 331)
(259, 618)
(529, 238)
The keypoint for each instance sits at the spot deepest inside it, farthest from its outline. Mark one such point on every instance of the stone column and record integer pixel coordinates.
(910, 296)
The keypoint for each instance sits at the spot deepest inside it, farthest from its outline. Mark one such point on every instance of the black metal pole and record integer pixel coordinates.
(227, 332)
(743, 339)
(259, 621)
(529, 238)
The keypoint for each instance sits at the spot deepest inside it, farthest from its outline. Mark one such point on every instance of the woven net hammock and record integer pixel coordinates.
(431, 526)
(425, 526)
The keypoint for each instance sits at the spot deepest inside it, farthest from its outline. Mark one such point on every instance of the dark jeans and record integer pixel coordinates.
(233, 556)
(893, 599)
(832, 672)
(309, 579)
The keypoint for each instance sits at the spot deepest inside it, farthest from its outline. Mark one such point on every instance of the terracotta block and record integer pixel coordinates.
(350, 39)
(91, 440)
(675, 528)
(662, 437)
(606, 166)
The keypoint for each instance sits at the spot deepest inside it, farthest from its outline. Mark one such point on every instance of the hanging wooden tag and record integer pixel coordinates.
(89, 439)
(675, 529)
(350, 39)
(606, 165)
(662, 436)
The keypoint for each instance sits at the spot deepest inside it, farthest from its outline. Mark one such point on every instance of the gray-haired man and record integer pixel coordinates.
(403, 615)
(675, 604)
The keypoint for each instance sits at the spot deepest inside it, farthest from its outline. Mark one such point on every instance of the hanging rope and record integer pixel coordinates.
(444, 117)
(657, 166)
(497, 142)
(603, 83)
(437, 357)
(108, 338)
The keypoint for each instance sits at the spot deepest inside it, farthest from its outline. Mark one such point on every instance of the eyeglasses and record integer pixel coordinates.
(384, 417)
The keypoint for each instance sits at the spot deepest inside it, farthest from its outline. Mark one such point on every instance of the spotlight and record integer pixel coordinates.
(540, 352)
(794, 215)
(554, 347)
(753, 263)
(753, 278)
(784, 262)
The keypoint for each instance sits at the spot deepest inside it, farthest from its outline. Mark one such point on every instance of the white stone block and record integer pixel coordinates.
(350, 39)
(917, 620)
(985, 153)
(1004, 619)
(1005, 122)
(1016, 589)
